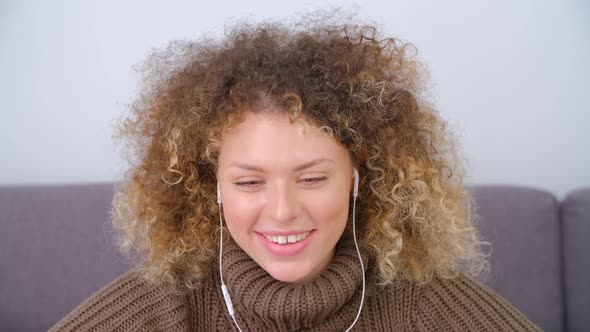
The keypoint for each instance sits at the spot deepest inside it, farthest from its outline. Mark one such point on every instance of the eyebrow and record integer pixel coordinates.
(296, 169)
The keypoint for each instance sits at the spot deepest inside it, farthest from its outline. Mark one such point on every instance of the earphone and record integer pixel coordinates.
(224, 290)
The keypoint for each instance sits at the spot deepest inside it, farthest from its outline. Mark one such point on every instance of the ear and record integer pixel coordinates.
(362, 155)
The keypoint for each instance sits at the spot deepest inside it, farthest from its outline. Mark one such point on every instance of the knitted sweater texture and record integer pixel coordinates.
(329, 303)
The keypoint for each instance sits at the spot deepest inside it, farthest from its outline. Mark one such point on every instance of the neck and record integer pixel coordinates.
(262, 301)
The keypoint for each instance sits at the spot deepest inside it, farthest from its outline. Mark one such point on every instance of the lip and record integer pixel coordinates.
(285, 233)
(285, 250)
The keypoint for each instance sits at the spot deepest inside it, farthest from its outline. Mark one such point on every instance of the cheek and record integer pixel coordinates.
(329, 210)
(240, 213)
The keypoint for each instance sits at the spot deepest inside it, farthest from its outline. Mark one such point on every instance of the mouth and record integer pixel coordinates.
(286, 244)
(287, 239)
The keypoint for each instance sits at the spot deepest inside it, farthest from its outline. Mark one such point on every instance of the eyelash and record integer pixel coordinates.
(252, 184)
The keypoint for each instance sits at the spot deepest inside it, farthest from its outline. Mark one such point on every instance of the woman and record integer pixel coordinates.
(251, 153)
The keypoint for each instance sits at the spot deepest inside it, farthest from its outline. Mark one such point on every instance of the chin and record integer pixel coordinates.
(291, 273)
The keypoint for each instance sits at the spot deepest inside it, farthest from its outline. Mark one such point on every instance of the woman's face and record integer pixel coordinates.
(285, 194)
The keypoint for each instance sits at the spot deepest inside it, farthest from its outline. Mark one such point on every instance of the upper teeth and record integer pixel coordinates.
(280, 239)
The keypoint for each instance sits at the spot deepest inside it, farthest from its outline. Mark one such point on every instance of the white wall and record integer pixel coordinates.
(510, 76)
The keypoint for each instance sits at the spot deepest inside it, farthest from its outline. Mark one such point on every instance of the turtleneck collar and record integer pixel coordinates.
(263, 302)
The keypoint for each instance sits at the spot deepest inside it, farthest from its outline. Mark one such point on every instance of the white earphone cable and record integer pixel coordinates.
(226, 297)
(224, 290)
(358, 314)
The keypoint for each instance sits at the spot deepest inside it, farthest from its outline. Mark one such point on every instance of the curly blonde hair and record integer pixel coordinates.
(414, 212)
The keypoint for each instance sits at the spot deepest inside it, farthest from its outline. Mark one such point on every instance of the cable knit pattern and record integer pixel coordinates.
(128, 304)
(329, 303)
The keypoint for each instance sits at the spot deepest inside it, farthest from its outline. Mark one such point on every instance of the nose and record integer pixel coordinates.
(282, 203)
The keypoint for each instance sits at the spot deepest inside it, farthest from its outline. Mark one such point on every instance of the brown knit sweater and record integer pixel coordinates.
(329, 303)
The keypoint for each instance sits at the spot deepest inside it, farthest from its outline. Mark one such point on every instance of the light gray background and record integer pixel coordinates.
(511, 77)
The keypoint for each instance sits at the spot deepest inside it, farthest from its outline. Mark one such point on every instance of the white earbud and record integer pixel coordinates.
(355, 191)
(218, 194)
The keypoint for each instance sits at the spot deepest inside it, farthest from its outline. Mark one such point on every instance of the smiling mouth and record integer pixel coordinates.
(287, 239)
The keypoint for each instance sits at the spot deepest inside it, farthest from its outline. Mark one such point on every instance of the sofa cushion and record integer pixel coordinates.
(522, 225)
(57, 248)
(575, 218)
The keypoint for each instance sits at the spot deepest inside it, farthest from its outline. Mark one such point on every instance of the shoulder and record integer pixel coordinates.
(462, 304)
(128, 303)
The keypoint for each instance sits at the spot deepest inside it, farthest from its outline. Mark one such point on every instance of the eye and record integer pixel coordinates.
(248, 184)
(307, 182)
(310, 182)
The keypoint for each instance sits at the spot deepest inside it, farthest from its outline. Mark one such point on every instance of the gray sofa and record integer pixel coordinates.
(57, 248)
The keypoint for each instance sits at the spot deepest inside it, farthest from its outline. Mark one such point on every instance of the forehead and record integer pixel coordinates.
(271, 137)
